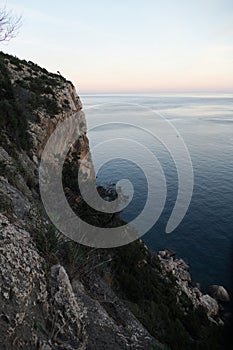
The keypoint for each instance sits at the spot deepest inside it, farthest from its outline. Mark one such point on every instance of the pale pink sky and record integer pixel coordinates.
(130, 45)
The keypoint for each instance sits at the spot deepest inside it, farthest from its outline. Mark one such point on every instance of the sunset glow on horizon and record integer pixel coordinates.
(130, 46)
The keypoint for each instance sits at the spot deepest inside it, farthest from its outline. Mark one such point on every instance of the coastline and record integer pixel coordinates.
(56, 293)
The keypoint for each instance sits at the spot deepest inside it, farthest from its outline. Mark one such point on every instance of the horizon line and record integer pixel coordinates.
(155, 92)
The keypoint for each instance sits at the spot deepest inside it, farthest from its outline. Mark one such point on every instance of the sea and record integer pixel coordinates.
(204, 121)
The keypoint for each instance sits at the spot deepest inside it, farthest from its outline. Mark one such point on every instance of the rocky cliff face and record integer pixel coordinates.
(40, 307)
(49, 99)
(56, 294)
(180, 270)
(43, 309)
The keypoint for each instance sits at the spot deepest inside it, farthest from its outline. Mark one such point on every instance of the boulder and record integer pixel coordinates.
(219, 293)
(166, 254)
(209, 304)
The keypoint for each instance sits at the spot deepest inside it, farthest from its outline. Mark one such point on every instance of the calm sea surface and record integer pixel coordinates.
(205, 122)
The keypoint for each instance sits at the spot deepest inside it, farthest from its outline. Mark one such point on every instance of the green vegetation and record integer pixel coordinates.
(153, 300)
(57, 248)
(42, 102)
(21, 102)
(5, 204)
(12, 120)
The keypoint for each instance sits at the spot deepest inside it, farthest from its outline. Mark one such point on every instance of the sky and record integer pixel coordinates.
(129, 45)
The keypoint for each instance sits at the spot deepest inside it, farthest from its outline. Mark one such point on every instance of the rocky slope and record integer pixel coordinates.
(56, 294)
(39, 306)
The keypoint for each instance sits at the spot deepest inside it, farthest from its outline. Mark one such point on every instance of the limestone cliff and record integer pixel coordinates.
(39, 307)
(54, 293)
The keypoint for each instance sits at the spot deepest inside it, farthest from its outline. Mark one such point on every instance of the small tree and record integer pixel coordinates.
(9, 25)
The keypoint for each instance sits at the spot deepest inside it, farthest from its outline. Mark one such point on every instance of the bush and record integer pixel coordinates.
(12, 120)
(49, 242)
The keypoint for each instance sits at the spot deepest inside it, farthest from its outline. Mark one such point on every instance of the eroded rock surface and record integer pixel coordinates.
(23, 293)
(180, 270)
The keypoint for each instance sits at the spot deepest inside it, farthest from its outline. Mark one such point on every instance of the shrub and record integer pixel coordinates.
(12, 119)
(152, 298)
